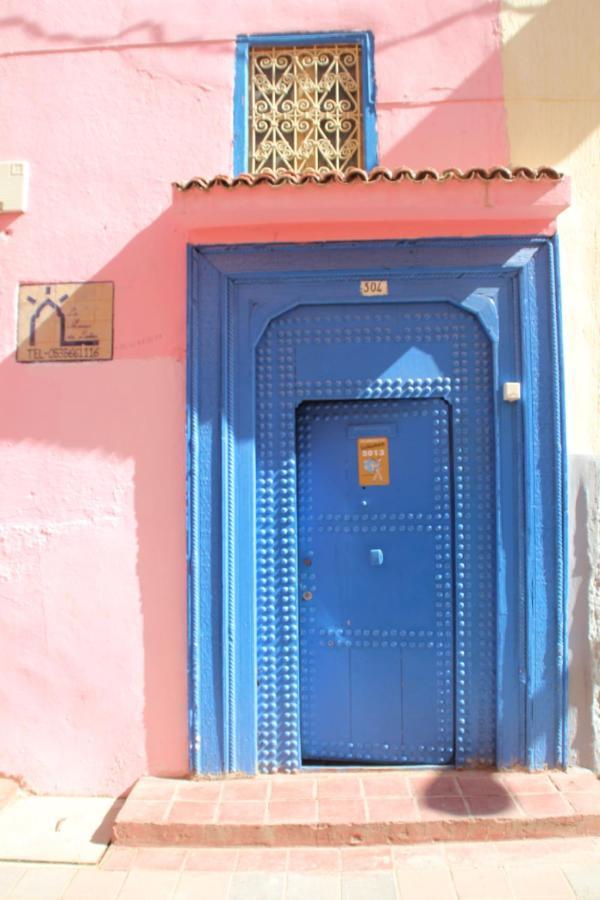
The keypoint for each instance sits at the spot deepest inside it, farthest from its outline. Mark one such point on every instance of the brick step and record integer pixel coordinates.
(366, 807)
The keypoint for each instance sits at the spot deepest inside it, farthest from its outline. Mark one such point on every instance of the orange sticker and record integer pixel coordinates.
(373, 461)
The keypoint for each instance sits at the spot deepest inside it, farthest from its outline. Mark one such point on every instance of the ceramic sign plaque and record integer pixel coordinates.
(69, 322)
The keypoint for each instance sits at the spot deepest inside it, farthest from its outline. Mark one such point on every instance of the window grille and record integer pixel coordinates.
(305, 108)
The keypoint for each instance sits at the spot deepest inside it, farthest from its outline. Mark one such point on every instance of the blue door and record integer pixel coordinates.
(375, 581)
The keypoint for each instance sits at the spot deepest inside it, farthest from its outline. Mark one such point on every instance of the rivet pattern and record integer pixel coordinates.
(465, 383)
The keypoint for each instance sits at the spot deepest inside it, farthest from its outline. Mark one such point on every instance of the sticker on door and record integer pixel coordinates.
(373, 461)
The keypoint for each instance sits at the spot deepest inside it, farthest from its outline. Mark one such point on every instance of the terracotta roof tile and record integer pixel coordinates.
(379, 173)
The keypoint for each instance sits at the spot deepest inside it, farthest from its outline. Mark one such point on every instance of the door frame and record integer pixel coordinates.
(226, 316)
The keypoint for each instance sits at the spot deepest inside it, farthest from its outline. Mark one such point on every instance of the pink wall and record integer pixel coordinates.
(111, 101)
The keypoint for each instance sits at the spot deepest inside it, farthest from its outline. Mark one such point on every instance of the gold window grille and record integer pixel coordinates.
(305, 109)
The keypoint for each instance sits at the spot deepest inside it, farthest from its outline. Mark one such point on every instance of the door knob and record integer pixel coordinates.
(376, 557)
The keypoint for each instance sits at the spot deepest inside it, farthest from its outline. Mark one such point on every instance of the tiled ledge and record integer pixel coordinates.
(384, 807)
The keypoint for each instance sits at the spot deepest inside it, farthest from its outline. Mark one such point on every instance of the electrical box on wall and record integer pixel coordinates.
(14, 186)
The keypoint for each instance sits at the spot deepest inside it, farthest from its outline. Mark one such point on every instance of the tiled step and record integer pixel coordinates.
(382, 807)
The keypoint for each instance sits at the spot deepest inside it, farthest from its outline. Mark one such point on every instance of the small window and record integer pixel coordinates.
(305, 105)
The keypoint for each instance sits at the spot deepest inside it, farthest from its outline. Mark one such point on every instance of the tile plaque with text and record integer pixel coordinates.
(70, 322)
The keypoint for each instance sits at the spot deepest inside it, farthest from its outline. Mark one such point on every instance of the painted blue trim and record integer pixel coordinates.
(205, 604)
(562, 510)
(240, 107)
(240, 91)
(512, 284)
(242, 523)
(511, 695)
(228, 557)
(192, 492)
(545, 523)
(485, 307)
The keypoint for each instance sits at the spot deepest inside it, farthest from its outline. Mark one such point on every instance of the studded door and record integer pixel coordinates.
(375, 582)
(410, 352)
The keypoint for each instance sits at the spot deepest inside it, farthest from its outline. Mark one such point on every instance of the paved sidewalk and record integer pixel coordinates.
(543, 869)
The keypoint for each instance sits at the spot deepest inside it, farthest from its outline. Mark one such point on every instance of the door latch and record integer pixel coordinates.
(376, 557)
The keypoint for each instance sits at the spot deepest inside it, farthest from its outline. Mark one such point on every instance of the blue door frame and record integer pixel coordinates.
(511, 285)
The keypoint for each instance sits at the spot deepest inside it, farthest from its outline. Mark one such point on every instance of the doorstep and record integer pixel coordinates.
(359, 807)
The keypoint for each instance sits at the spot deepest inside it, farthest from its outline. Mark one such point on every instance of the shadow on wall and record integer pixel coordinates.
(128, 410)
(549, 54)
(584, 638)
(550, 57)
(552, 89)
(458, 125)
(149, 33)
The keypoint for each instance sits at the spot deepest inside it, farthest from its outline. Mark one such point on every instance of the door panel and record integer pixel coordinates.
(375, 581)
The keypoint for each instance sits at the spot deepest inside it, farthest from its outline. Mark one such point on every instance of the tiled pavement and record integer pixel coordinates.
(539, 868)
(376, 807)
(542, 869)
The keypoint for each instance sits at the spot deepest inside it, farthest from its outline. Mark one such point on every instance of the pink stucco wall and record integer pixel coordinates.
(110, 101)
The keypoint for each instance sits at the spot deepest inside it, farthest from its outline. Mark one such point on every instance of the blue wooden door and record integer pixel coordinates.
(375, 581)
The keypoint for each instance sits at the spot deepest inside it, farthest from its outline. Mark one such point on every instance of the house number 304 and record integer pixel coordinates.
(374, 288)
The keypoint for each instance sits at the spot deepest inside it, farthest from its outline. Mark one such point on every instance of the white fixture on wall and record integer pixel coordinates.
(14, 186)
(511, 391)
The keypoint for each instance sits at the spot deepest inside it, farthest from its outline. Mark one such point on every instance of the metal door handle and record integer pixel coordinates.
(376, 557)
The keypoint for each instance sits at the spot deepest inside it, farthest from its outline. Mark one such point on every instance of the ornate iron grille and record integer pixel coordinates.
(305, 108)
